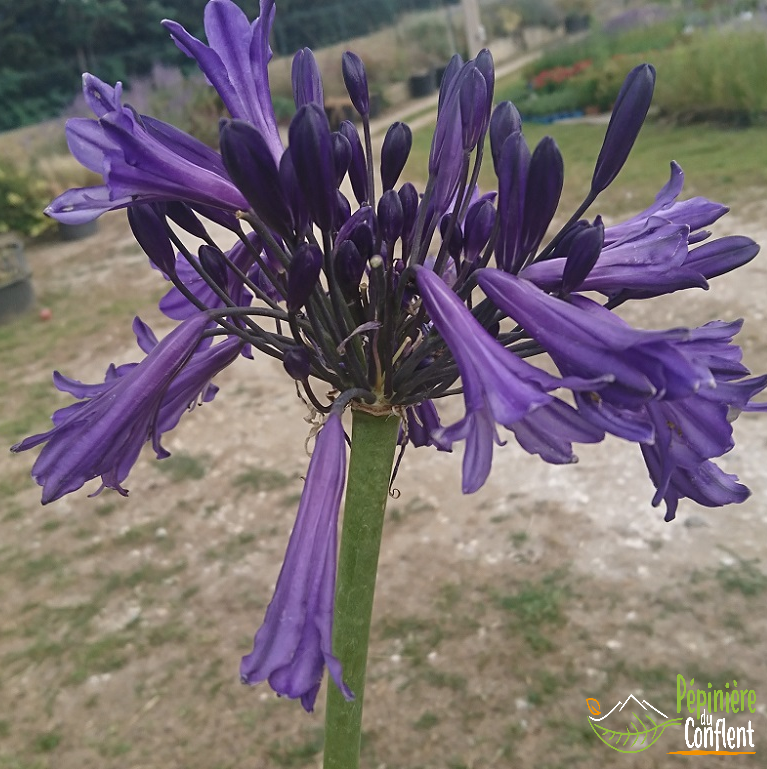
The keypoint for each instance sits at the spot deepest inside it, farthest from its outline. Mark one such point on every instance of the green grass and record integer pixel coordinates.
(183, 467)
(537, 608)
(742, 577)
(426, 721)
(300, 754)
(47, 741)
(262, 479)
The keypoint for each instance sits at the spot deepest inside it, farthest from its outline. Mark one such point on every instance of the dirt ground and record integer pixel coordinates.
(496, 615)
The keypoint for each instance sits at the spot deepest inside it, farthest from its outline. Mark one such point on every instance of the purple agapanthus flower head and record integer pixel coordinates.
(389, 302)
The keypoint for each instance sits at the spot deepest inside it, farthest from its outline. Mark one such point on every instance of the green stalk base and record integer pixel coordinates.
(374, 441)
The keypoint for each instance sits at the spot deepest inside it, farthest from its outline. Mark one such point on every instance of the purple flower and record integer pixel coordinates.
(293, 646)
(141, 159)
(498, 387)
(235, 62)
(688, 433)
(650, 255)
(584, 339)
(104, 435)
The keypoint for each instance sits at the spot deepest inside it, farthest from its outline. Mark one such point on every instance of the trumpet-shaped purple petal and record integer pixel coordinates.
(104, 436)
(498, 387)
(293, 646)
(586, 340)
(235, 62)
(142, 160)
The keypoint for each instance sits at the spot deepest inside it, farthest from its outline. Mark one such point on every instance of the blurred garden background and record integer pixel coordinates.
(498, 614)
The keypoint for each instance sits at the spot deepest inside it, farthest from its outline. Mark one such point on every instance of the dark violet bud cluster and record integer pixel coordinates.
(391, 301)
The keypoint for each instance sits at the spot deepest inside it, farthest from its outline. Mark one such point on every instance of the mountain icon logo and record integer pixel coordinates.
(631, 726)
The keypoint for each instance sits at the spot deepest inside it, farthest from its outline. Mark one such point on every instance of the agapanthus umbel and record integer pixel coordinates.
(392, 302)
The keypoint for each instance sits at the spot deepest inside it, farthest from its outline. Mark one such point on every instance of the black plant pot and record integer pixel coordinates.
(422, 84)
(16, 294)
(15, 298)
(78, 231)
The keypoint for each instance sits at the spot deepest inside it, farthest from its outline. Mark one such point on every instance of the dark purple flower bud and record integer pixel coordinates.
(297, 363)
(152, 235)
(358, 175)
(455, 245)
(408, 195)
(422, 421)
(342, 155)
(212, 261)
(449, 75)
(629, 113)
(251, 166)
(484, 62)
(504, 122)
(292, 192)
(311, 149)
(584, 252)
(512, 183)
(343, 210)
(185, 218)
(356, 82)
(390, 216)
(303, 274)
(563, 247)
(544, 188)
(362, 217)
(473, 102)
(394, 153)
(349, 267)
(477, 228)
(362, 237)
(307, 81)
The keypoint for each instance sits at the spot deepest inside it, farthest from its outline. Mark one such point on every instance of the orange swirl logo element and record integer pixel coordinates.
(593, 706)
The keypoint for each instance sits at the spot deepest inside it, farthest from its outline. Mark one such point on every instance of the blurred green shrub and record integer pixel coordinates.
(715, 75)
(23, 196)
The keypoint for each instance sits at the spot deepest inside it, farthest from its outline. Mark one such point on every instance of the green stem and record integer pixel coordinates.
(374, 441)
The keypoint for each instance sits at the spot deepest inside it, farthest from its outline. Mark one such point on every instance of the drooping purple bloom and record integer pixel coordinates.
(104, 436)
(583, 340)
(498, 388)
(294, 645)
(235, 62)
(141, 160)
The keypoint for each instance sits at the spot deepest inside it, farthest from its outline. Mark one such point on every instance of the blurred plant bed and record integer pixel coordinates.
(729, 83)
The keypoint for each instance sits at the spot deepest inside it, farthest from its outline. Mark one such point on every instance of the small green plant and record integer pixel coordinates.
(426, 721)
(743, 576)
(23, 196)
(183, 467)
(47, 741)
(537, 605)
(262, 479)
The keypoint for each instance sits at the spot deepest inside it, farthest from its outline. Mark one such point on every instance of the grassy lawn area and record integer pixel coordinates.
(717, 161)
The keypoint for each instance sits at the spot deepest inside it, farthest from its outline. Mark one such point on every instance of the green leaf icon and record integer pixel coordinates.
(637, 737)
